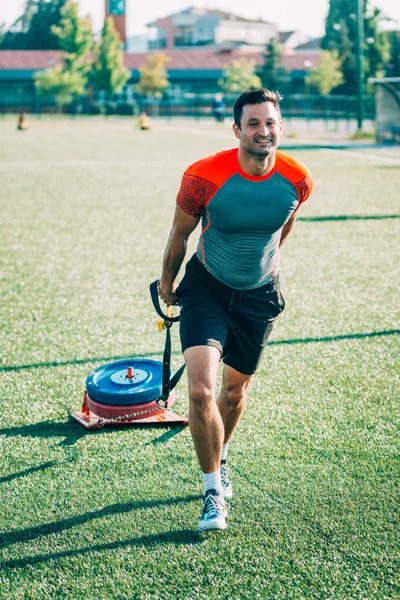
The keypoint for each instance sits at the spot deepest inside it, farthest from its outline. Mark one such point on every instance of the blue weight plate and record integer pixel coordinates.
(109, 384)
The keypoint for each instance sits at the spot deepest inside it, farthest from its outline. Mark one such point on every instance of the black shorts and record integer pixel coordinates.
(237, 322)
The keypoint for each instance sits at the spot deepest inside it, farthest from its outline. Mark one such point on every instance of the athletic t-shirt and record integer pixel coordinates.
(242, 215)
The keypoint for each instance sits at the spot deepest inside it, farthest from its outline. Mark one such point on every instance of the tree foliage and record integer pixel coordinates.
(33, 29)
(239, 76)
(109, 73)
(393, 65)
(75, 36)
(272, 73)
(328, 75)
(153, 76)
(376, 47)
(68, 80)
(341, 35)
(63, 84)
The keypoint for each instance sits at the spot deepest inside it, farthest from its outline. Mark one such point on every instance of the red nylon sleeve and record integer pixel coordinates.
(194, 194)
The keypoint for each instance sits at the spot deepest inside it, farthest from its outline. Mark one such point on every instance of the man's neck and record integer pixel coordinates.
(256, 166)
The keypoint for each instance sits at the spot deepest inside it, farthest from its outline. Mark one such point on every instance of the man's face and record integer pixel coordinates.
(260, 129)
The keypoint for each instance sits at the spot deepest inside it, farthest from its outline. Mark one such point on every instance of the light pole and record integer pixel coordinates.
(307, 65)
(360, 62)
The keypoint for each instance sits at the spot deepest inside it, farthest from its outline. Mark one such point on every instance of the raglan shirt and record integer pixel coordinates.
(242, 215)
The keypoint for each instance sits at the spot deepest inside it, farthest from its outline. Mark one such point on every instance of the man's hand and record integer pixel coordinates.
(167, 293)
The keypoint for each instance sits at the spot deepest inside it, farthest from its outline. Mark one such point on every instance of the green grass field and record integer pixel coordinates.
(86, 208)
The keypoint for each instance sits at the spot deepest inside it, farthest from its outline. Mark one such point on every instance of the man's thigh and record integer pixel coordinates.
(202, 366)
(250, 330)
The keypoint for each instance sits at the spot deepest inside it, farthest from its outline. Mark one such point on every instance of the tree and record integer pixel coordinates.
(32, 30)
(377, 47)
(393, 64)
(153, 76)
(75, 37)
(239, 76)
(109, 73)
(63, 84)
(328, 75)
(272, 73)
(68, 80)
(341, 35)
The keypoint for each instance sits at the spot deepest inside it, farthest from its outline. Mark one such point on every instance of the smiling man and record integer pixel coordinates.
(247, 200)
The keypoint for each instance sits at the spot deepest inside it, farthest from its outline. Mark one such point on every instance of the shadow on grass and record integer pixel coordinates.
(70, 431)
(28, 471)
(184, 537)
(80, 361)
(176, 352)
(336, 338)
(167, 435)
(348, 218)
(32, 533)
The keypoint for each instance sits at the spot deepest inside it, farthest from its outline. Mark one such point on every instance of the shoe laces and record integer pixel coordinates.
(212, 504)
(225, 473)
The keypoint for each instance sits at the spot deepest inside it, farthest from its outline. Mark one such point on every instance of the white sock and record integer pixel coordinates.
(224, 451)
(212, 481)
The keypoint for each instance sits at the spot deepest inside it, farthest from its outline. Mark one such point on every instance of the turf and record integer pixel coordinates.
(86, 208)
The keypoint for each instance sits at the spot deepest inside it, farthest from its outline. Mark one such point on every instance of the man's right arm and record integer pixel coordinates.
(183, 225)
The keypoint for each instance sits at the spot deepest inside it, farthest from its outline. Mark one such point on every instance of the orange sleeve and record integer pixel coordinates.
(202, 179)
(297, 174)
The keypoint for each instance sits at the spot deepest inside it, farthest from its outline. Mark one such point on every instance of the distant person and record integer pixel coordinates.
(144, 122)
(247, 199)
(219, 108)
(22, 123)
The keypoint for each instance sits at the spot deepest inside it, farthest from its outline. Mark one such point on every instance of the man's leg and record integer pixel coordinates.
(205, 421)
(232, 399)
(231, 404)
(207, 430)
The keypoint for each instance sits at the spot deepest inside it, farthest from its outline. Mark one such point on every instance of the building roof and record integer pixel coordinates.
(193, 59)
(283, 36)
(210, 11)
(28, 60)
(314, 44)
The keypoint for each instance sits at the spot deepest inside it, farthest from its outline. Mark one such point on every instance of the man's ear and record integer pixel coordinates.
(236, 131)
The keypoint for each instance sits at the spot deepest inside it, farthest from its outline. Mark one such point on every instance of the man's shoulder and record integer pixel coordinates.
(290, 167)
(216, 167)
(296, 172)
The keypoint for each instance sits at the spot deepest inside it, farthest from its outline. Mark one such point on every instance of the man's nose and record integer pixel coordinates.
(263, 130)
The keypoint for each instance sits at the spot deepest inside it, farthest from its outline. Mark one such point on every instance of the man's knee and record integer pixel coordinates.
(201, 395)
(234, 396)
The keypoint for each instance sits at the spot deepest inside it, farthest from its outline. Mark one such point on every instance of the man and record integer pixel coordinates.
(247, 199)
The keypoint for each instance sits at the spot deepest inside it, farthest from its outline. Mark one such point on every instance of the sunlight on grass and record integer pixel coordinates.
(86, 210)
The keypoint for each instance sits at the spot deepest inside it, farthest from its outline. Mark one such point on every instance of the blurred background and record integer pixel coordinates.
(336, 63)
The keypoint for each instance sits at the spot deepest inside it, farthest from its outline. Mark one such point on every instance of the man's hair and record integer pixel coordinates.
(255, 97)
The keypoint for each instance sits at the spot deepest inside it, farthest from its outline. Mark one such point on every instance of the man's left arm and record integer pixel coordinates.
(287, 228)
(304, 187)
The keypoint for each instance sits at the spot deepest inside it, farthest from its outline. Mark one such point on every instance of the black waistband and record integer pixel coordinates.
(195, 267)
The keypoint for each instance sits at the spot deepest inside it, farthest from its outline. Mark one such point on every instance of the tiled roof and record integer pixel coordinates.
(196, 59)
(28, 60)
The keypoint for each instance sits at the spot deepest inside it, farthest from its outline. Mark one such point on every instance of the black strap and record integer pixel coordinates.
(156, 303)
(168, 383)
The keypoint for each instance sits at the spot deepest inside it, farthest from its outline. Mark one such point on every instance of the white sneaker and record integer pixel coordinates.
(226, 484)
(214, 512)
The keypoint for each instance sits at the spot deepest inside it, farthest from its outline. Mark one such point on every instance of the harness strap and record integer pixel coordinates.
(168, 383)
